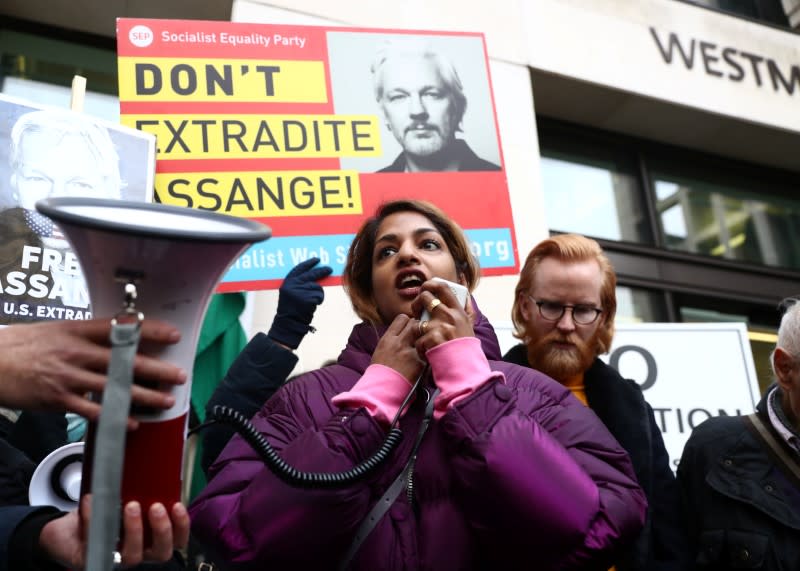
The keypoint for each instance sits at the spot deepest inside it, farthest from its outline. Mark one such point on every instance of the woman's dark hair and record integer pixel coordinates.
(357, 276)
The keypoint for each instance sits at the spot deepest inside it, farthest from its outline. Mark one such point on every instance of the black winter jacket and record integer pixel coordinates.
(259, 370)
(745, 507)
(23, 444)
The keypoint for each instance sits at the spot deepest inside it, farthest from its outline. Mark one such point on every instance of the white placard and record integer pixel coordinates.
(49, 152)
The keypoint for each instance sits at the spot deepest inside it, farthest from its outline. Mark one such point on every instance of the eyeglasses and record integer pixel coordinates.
(554, 311)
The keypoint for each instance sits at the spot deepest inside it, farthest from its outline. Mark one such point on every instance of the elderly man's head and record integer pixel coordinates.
(785, 361)
(421, 96)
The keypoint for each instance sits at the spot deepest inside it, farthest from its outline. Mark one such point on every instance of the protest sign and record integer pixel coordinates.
(44, 152)
(289, 125)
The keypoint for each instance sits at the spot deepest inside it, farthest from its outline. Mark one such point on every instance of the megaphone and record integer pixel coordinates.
(175, 256)
(57, 478)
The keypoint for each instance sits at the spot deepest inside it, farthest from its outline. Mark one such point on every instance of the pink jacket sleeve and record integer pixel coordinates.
(459, 368)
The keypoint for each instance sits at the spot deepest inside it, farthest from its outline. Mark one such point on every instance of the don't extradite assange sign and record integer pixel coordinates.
(282, 124)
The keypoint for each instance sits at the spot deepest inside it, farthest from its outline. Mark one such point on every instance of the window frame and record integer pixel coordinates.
(670, 271)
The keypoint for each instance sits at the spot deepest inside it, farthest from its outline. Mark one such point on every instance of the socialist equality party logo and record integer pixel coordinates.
(140, 36)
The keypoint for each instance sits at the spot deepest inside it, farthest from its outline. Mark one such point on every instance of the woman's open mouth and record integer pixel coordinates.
(408, 283)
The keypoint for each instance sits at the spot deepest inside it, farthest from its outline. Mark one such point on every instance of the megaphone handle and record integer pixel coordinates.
(109, 448)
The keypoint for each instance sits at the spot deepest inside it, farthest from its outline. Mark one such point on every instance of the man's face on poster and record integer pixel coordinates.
(54, 164)
(417, 105)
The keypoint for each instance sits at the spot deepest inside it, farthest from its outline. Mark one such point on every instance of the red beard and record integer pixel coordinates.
(562, 363)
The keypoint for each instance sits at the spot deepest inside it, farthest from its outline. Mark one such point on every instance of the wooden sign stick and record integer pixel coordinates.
(78, 93)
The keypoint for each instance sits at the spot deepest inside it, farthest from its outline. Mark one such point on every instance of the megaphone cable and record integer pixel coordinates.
(311, 480)
(293, 476)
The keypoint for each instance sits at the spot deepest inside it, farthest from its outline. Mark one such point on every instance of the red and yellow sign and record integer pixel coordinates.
(309, 129)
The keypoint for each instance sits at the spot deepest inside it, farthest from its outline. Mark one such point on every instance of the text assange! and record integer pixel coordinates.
(288, 193)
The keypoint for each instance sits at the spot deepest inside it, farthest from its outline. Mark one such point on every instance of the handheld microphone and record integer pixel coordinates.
(461, 292)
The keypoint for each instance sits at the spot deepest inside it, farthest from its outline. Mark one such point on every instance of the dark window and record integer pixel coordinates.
(38, 63)
(709, 211)
(769, 11)
(615, 188)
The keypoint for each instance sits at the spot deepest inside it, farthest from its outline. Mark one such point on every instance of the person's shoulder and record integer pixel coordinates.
(398, 165)
(518, 355)
(552, 405)
(711, 440)
(534, 389)
(319, 385)
(330, 378)
(480, 164)
(717, 429)
(610, 378)
(306, 398)
(470, 161)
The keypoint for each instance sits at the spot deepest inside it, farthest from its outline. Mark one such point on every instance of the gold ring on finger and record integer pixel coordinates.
(435, 302)
(423, 327)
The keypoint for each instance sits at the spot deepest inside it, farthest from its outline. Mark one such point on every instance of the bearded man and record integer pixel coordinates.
(563, 313)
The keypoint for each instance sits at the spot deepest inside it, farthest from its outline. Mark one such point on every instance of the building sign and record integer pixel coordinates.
(688, 372)
(308, 129)
(47, 152)
(728, 62)
(672, 51)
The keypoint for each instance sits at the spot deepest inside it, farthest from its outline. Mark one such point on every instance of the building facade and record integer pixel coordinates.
(668, 130)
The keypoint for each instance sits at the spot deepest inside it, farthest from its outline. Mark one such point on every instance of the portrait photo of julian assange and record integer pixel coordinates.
(431, 97)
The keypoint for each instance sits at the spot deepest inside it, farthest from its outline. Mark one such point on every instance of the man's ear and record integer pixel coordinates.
(783, 363)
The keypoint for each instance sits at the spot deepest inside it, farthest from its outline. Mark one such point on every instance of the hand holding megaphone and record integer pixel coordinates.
(63, 540)
(71, 359)
(160, 263)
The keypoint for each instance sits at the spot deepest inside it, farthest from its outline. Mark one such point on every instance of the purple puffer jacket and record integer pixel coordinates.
(518, 475)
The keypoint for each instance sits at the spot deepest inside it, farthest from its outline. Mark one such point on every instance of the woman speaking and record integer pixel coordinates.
(499, 467)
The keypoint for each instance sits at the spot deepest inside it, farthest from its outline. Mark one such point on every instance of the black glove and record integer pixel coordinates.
(299, 296)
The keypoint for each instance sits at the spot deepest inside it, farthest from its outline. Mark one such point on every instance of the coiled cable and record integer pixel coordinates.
(292, 475)
(309, 480)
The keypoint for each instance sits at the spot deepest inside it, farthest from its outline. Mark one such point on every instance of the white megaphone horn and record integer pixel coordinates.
(175, 257)
(57, 478)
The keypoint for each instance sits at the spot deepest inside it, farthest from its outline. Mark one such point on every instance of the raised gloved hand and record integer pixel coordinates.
(298, 298)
